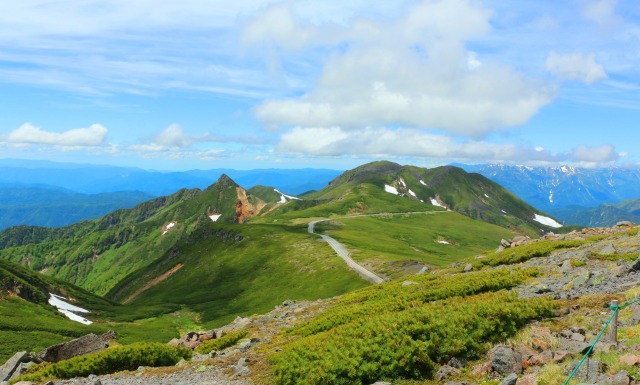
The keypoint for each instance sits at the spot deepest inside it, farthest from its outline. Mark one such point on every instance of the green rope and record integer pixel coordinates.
(629, 303)
(615, 310)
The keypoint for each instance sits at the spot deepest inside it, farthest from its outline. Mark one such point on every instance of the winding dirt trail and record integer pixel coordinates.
(342, 251)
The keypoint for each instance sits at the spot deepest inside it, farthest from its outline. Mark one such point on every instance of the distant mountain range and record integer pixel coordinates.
(94, 179)
(574, 195)
(54, 206)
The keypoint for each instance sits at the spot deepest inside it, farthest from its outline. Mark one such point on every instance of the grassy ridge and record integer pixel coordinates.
(230, 270)
(414, 237)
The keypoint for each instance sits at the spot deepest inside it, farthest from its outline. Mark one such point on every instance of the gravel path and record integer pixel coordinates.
(196, 375)
(342, 251)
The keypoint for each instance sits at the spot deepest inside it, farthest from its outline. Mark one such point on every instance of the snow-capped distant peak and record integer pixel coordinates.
(546, 221)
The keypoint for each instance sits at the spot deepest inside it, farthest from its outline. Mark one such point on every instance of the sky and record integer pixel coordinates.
(248, 84)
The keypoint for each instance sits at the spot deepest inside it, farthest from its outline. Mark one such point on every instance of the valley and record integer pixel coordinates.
(203, 259)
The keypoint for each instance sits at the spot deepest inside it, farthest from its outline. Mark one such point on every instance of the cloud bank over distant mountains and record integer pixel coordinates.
(291, 83)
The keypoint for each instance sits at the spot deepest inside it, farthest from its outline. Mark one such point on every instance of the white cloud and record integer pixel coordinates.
(384, 142)
(392, 143)
(94, 135)
(600, 11)
(173, 136)
(413, 71)
(576, 66)
(596, 154)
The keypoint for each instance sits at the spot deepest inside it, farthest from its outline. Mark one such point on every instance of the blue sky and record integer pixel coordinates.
(324, 84)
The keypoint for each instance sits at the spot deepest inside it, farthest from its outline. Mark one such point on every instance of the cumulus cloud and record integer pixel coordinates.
(94, 135)
(575, 66)
(406, 142)
(384, 142)
(173, 136)
(596, 154)
(413, 71)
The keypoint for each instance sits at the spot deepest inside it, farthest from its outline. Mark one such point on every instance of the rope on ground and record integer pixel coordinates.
(615, 309)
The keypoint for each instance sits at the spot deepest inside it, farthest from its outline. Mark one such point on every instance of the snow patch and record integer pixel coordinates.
(390, 189)
(402, 183)
(215, 217)
(486, 196)
(444, 242)
(546, 221)
(168, 227)
(412, 193)
(68, 309)
(284, 197)
(436, 203)
(551, 196)
(422, 182)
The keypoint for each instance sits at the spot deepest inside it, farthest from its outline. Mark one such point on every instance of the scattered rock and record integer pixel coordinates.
(566, 266)
(578, 337)
(621, 378)
(90, 343)
(504, 360)
(590, 370)
(608, 249)
(468, 267)
(529, 379)
(510, 379)
(9, 367)
(629, 359)
(446, 371)
(458, 363)
(560, 355)
(409, 283)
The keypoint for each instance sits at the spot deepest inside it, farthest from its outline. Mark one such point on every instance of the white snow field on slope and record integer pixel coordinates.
(546, 221)
(284, 197)
(215, 217)
(68, 309)
(390, 189)
(436, 203)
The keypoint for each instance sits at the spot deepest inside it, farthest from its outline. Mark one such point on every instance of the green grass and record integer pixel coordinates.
(383, 241)
(232, 270)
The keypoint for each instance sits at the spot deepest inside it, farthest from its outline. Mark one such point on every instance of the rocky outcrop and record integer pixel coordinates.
(90, 343)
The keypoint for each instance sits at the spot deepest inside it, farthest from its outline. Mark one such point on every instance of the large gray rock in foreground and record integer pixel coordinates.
(9, 367)
(90, 343)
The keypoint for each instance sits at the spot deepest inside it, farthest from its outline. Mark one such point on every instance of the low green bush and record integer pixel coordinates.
(221, 343)
(408, 343)
(116, 359)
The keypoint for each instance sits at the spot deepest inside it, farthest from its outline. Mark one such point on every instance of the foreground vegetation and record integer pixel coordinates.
(404, 331)
(111, 360)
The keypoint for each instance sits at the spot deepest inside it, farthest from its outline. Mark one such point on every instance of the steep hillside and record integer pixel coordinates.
(389, 187)
(97, 254)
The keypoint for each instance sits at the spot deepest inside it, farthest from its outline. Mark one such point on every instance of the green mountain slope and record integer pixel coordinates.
(97, 254)
(388, 187)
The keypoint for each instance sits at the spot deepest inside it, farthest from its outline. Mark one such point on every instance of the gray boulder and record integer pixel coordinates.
(446, 371)
(510, 379)
(90, 343)
(504, 360)
(9, 367)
